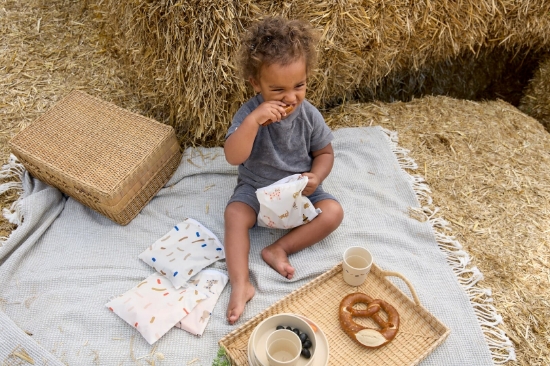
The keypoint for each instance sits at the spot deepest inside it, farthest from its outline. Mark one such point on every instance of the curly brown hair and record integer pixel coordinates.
(277, 40)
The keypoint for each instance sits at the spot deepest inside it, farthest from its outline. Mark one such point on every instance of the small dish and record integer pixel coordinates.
(258, 338)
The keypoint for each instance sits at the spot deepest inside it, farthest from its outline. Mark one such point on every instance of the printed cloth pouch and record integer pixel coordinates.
(282, 205)
(212, 283)
(154, 306)
(183, 252)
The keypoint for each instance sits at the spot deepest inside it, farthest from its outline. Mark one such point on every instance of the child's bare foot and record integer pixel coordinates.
(277, 258)
(240, 295)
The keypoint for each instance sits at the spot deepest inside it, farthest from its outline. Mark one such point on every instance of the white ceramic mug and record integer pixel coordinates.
(283, 348)
(356, 265)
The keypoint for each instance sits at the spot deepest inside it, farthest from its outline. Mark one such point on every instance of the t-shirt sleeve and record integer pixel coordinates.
(321, 134)
(239, 117)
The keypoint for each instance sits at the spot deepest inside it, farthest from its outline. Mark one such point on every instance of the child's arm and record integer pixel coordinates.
(239, 144)
(320, 168)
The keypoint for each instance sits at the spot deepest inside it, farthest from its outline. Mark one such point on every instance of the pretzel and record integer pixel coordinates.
(368, 337)
(288, 109)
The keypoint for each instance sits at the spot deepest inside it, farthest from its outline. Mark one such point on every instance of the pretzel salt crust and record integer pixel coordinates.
(288, 109)
(368, 337)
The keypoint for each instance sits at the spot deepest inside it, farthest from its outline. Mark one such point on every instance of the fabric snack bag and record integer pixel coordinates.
(154, 306)
(282, 205)
(212, 283)
(183, 252)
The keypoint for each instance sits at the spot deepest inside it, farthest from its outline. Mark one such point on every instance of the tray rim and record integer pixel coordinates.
(381, 274)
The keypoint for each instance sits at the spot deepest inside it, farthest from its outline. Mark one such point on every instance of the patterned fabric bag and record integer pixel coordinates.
(282, 205)
(212, 283)
(154, 306)
(183, 252)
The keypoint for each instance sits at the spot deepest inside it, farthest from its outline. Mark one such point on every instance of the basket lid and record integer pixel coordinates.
(92, 142)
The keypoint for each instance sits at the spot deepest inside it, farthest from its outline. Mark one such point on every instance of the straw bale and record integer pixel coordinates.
(183, 51)
(536, 100)
(518, 24)
(179, 52)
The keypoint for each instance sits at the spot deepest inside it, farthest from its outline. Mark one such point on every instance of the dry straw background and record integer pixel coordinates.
(487, 163)
(181, 51)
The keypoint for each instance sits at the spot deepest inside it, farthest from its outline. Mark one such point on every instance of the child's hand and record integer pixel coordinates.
(313, 182)
(272, 111)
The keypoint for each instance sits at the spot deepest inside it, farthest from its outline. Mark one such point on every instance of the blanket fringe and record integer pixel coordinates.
(12, 171)
(501, 347)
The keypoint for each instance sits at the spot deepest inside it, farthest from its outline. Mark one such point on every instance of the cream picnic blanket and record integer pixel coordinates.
(65, 261)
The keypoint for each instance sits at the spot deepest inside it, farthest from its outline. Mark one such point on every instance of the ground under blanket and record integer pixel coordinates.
(65, 261)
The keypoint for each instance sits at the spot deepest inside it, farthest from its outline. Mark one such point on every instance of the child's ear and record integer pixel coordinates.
(255, 84)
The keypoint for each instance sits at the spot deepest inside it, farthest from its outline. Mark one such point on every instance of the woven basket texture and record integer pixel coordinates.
(319, 300)
(107, 158)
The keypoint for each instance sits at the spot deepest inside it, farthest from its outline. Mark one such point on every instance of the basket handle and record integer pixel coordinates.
(411, 288)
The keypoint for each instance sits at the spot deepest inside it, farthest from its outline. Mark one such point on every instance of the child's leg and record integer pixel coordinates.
(239, 218)
(276, 255)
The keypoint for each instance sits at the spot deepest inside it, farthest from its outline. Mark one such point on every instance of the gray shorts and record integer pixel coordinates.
(247, 194)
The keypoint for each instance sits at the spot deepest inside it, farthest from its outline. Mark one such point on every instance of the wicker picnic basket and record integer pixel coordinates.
(419, 331)
(103, 156)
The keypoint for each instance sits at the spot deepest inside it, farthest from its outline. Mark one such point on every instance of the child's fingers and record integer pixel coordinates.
(274, 111)
(272, 116)
(280, 108)
(277, 114)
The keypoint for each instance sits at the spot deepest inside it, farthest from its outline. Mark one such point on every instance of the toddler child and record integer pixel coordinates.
(276, 57)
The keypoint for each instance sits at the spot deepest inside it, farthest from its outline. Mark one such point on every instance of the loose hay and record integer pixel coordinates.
(536, 100)
(486, 163)
(18, 356)
(183, 51)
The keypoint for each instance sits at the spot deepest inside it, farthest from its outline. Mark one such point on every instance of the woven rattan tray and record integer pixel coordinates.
(107, 158)
(419, 333)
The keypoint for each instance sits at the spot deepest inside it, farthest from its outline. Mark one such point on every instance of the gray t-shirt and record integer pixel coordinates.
(282, 148)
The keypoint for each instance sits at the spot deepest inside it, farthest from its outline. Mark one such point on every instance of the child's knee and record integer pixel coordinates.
(239, 213)
(332, 214)
(337, 213)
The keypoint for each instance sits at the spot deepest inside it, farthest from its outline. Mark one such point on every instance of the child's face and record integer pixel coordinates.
(285, 83)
